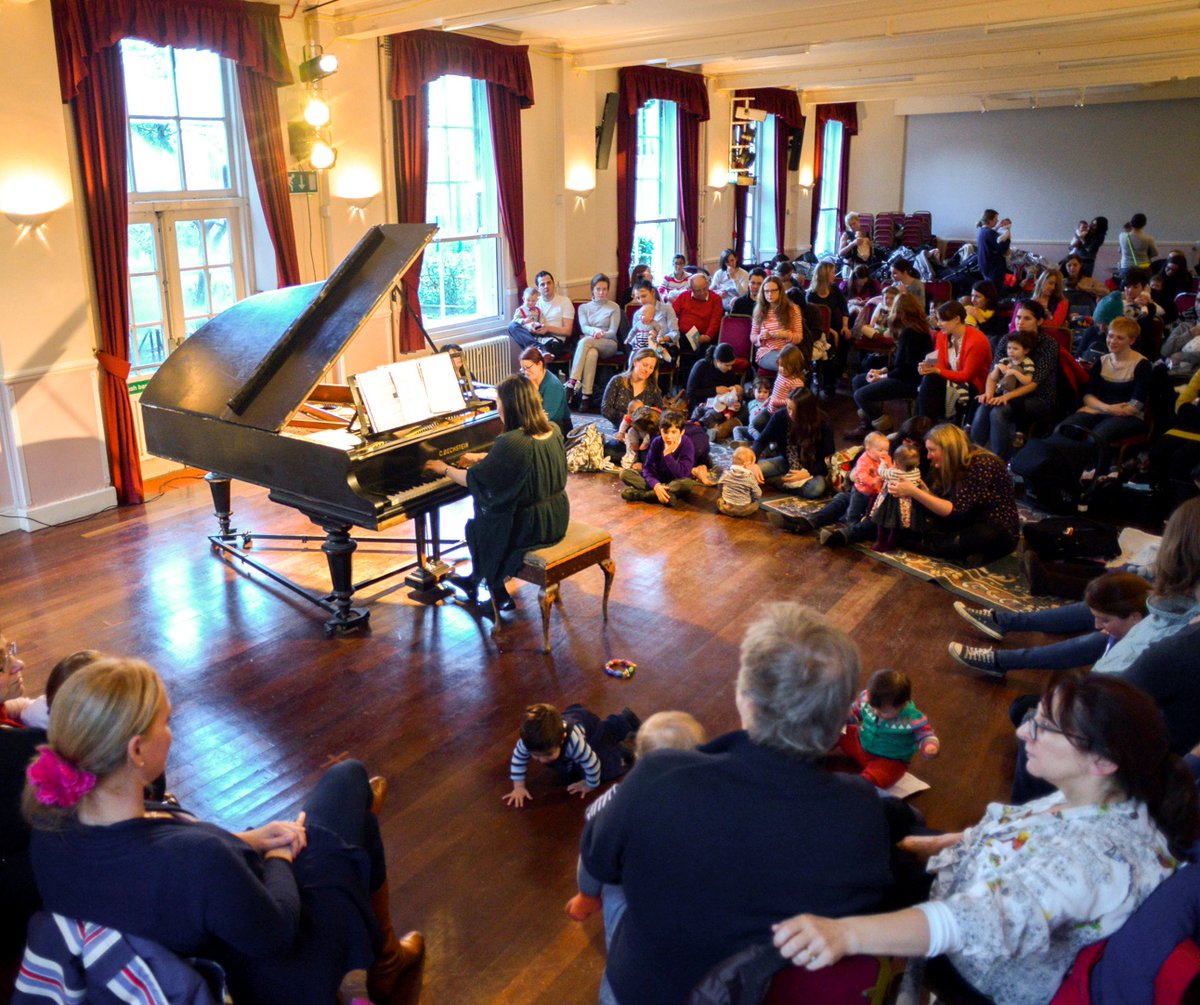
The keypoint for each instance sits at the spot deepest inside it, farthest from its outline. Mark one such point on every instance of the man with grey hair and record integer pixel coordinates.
(707, 843)
(699, 311)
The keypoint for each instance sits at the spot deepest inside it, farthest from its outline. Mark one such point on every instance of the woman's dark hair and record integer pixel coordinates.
(646, 285)
(600, 277)
(725, 257)
(805, 419)
(988, 217)
(915, 428)
(722, 352)
(1136, 276)
(952, 309)
(1137, 221)
(542, 729)
(638, 270)
(889, 689)
(66, 667)
(1104, 715)
(905, 266)
(1117, 594)
(522, 406)
(534, 354)
(1035, 307)
(987, 289)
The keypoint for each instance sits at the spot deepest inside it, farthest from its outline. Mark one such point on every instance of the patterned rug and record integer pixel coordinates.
(998, 584)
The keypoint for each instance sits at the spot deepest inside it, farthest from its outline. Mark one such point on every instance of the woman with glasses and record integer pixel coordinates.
(1015, 897)
(549, 388)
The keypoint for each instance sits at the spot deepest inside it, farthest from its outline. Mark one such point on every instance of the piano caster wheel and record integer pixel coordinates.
(353, 618)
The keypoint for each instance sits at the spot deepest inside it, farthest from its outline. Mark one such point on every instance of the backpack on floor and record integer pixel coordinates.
(839, 467)
(585, 450)
(1066, 538)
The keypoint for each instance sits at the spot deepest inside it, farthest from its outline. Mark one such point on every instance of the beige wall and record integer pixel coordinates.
(54, 462)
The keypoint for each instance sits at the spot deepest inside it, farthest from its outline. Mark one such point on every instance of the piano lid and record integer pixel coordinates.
(255, 363)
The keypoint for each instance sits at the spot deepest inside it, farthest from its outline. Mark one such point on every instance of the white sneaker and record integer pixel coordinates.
(629, 460)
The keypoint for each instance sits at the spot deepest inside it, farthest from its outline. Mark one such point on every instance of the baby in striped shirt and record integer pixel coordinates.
(575, 744)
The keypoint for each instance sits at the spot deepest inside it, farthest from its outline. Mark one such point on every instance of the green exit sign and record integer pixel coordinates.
(302, 182)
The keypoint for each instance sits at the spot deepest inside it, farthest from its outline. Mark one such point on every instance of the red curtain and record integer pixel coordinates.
(90, 77)
(410, 122)
(419, 57)
(847, 114)
(99, 116)
(264, 134)
(505, 109)
(247, 33)
(688, 162)
(789, 119)
(639, 84)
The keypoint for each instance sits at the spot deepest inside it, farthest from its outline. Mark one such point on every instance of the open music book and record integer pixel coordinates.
(409, 391)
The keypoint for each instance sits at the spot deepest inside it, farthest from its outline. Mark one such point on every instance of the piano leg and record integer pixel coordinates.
(339, 550)
(426, 578)
(219, 486)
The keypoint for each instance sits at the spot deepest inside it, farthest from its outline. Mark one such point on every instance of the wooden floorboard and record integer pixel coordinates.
(264, 701)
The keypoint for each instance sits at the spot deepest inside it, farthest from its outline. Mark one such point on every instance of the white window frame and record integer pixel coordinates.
(444, 330)
(668, 175)
(764, 194)
(828, 223)
(163, 208)
(163, 217)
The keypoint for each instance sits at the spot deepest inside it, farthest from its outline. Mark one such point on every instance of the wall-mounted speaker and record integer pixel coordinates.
(605, 131)
(795, 146)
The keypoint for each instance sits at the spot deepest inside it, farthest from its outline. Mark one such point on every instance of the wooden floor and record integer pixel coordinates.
(263, 700)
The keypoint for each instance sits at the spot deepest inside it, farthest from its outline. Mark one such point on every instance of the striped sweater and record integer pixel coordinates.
(575, 750)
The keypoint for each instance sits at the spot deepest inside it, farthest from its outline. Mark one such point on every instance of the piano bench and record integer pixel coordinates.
(583, 547)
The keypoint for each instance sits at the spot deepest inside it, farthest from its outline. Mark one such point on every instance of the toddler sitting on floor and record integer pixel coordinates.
(740, 488)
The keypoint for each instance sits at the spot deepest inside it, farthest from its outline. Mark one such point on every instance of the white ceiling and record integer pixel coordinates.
(928, 55)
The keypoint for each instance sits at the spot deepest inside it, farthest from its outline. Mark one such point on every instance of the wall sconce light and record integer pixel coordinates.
(321, 64)
(358, 204)
(30, 221)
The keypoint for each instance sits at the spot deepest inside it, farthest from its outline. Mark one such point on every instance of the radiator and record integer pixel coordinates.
(490, 360)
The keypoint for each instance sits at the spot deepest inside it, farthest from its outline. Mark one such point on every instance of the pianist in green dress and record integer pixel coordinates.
(520, 491)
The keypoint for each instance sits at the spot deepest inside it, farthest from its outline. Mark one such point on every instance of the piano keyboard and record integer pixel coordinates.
(420, 485)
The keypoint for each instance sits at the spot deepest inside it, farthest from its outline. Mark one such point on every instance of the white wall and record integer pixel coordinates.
(877, 159)
(53, 465)
(1048, 168)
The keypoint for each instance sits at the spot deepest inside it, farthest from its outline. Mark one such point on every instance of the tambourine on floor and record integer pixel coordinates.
(582, 547)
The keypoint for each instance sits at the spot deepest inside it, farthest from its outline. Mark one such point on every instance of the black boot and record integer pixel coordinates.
(466, 585)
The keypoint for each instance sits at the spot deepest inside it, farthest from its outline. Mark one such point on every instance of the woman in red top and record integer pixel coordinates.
(964, 358)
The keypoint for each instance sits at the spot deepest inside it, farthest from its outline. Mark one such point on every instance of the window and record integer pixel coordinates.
(764, 190)
(186, 244)
(656, 207)
(460, 276)
(831, 180)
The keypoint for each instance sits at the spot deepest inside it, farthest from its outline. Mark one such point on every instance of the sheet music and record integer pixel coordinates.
(410, 391)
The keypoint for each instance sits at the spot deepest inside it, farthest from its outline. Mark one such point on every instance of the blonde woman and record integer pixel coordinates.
(287, 909)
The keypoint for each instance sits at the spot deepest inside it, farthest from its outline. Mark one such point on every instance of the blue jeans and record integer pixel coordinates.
(614, 911)
(1081, 651)
(777, 467)
(995, 425)
(341, 802)
(845, 507)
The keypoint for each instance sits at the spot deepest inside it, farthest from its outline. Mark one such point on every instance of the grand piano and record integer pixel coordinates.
(243, 398)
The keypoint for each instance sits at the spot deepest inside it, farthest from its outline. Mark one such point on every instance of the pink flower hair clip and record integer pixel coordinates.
(56, 781)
